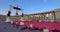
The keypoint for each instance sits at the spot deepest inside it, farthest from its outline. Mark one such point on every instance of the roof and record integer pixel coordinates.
(45, 12)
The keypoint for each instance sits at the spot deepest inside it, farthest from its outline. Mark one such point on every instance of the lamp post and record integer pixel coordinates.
(8, 15)
(9, 12)
(22, 15)
(17, 9)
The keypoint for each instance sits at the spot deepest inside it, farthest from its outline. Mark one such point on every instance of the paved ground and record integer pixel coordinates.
(6, 27)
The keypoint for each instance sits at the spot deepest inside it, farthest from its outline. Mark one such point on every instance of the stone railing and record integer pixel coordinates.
(2, 18)
(15, 18)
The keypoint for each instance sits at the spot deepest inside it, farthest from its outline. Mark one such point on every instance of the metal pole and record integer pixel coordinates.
(9, 12)
(8, 15)
(22, 15)
(17, 11)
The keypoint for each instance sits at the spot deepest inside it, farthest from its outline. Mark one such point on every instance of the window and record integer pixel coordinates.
(46, 15)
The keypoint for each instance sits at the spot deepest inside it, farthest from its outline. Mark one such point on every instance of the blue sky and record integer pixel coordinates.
(29, 6)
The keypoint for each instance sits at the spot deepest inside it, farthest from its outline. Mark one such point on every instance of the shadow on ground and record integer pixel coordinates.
(6, 27)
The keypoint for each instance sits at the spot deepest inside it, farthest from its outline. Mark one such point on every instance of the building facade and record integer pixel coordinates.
(45, 16)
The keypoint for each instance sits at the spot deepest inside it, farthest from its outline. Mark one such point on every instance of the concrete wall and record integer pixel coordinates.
(15, 18)
(2, 17)
(57, 14)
